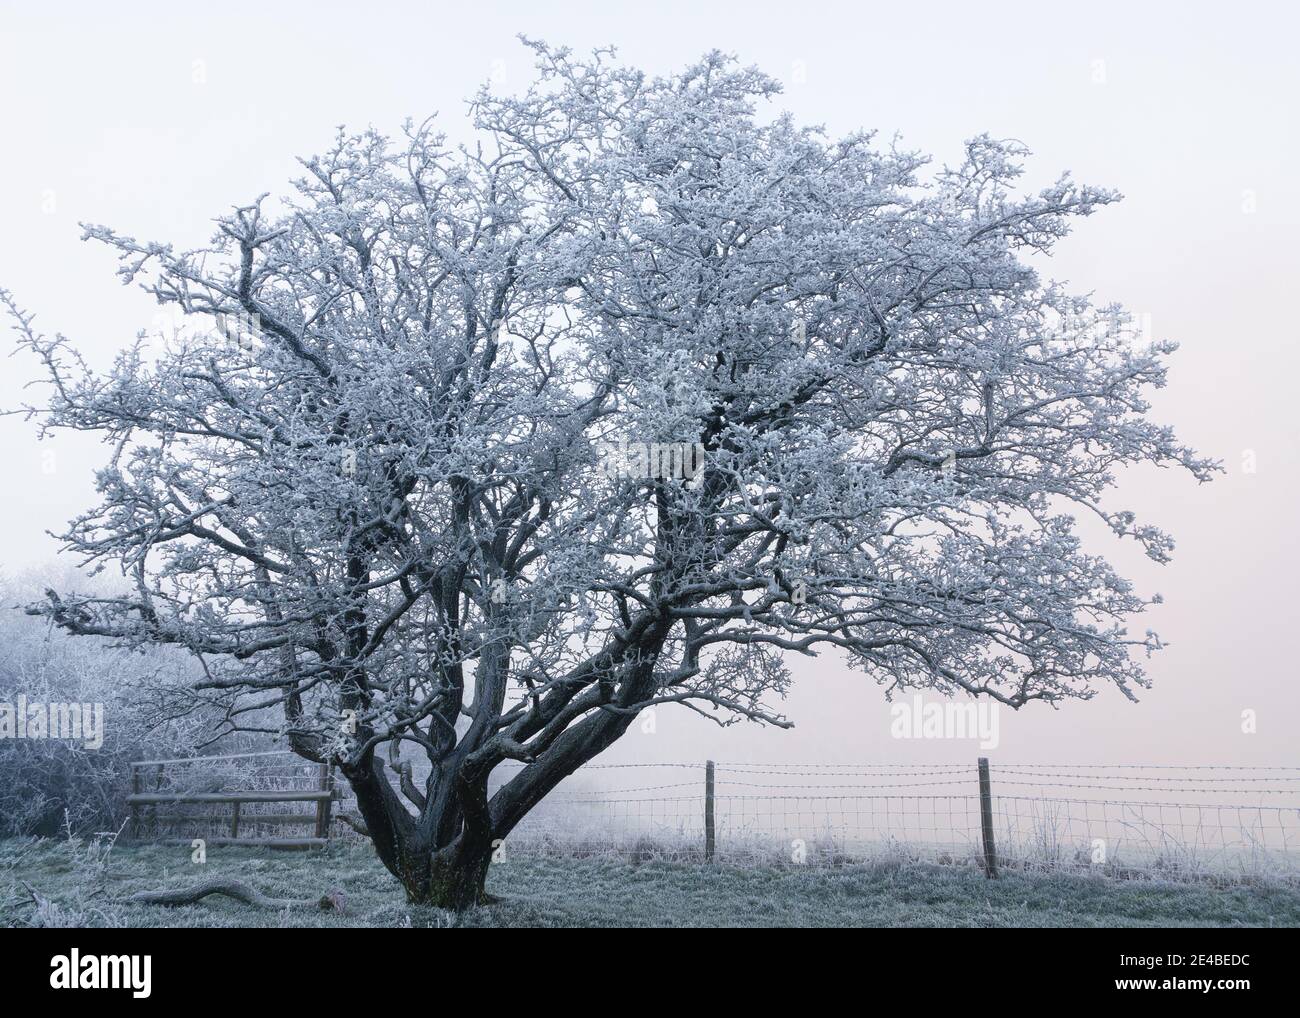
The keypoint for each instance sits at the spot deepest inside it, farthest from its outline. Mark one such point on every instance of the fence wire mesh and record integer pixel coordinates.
(1193, 822)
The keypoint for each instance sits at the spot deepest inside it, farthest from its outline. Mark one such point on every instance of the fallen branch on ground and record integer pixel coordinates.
(331, 901)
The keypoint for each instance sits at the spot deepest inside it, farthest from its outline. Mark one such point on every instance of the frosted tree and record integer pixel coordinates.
(409, 483)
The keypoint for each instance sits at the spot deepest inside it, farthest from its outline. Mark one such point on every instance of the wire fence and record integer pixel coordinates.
(1196, 822)
(1199, 822)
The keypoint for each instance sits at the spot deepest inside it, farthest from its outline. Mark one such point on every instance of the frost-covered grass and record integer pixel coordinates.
(78, 885)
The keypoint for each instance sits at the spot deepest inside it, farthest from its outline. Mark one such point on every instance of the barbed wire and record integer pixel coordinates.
(904, 784)
(1143, 788)
(847, 772)
(1042, 772)
(774, 767)
(1177, 767)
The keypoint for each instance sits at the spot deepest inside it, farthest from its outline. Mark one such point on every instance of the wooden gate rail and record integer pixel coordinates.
(322, 796)
(153, 798)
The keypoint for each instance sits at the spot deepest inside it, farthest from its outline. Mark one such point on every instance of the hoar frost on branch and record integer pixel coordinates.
(381, 511)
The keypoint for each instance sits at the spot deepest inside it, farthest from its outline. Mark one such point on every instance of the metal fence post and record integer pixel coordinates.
(986, 820)
(710, 842)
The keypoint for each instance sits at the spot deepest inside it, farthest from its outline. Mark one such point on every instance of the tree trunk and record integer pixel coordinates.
(442, 857)
(452, 878)
(457, 882)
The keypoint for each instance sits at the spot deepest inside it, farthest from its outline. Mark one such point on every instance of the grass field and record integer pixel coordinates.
(78, 886)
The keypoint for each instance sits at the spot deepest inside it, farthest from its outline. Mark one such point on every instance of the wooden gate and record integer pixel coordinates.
(237, 799)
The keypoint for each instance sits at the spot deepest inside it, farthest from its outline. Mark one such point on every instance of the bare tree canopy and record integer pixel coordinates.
(494, 447)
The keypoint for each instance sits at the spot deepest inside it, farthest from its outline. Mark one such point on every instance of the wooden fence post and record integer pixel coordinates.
(234, 820)
(986, 820)
(326, 777)
(135, 809)
(157, 787)
(710, 843)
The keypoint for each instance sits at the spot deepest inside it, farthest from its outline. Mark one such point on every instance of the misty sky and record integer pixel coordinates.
(157, 121)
